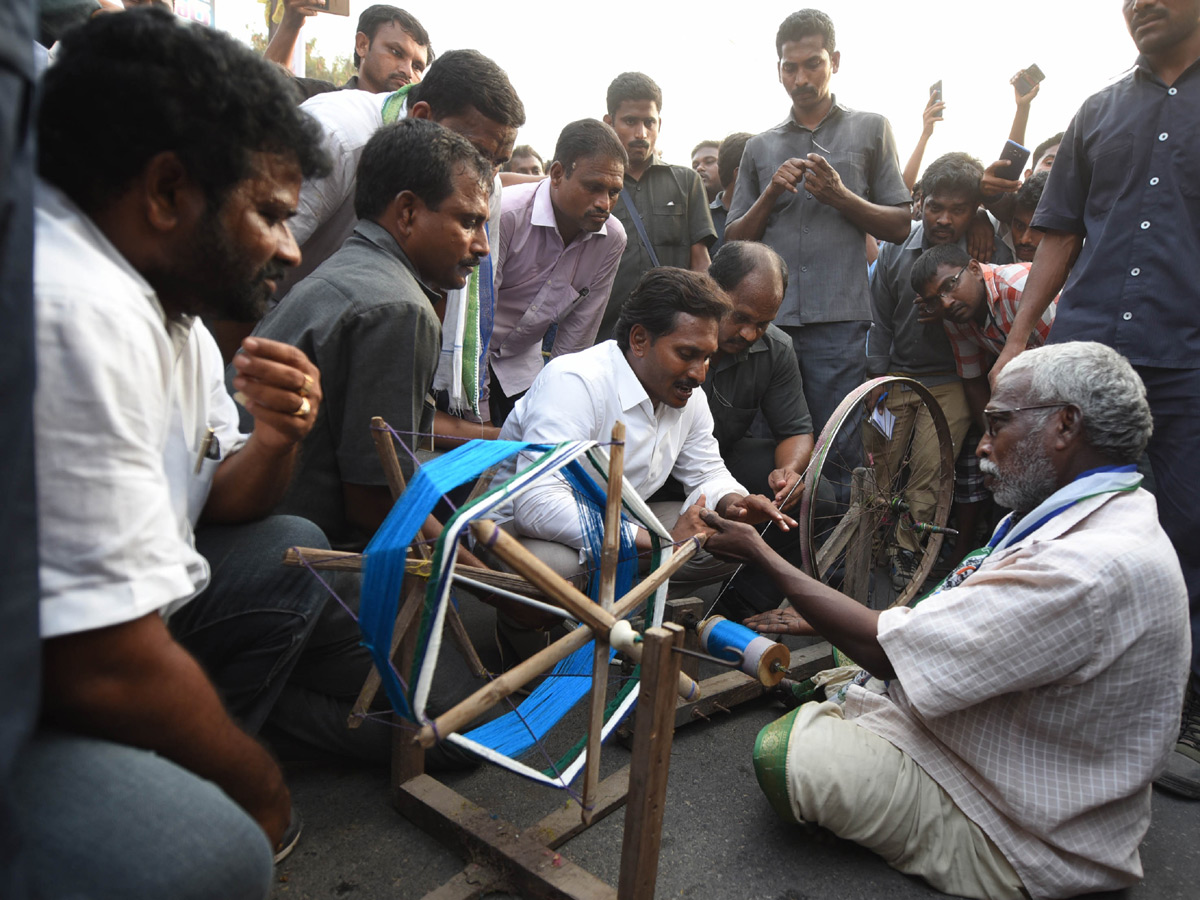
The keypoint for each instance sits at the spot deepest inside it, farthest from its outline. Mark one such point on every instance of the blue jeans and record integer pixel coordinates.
(249, 626)
(1174, 396)
(103, 820)
(833, 362)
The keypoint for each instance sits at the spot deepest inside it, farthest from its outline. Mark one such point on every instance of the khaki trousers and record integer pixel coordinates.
(816, 767)
(913, 419)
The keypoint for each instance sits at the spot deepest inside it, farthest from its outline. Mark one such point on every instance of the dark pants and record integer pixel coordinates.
(1174, 396)
(499, 403)
(833, 362)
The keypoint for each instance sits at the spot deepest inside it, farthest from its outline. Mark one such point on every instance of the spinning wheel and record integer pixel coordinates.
(875, 504)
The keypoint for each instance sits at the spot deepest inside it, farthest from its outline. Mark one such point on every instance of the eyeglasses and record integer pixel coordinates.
(989, 415)
(947, 287)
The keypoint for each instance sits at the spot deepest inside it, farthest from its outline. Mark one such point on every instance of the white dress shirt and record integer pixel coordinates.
(580, 397)
(123, 405)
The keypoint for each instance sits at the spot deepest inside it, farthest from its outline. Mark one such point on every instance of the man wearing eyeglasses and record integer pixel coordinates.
(1033, 696)
(901, 344)
(976, 304)
(1120, 214)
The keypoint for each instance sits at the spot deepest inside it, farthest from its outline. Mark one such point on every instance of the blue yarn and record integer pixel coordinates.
(726, 635)
(515, 732)
(387, 553)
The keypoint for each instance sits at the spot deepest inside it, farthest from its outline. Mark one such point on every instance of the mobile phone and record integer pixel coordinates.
(1027, 80)
(935, 93)
(1016, 156)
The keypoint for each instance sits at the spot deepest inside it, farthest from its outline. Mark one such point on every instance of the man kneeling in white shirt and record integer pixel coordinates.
(649, 377)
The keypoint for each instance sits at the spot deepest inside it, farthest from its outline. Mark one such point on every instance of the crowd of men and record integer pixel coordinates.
(228, 294)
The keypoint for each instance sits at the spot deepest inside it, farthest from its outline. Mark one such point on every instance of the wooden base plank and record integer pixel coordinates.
(532, 868)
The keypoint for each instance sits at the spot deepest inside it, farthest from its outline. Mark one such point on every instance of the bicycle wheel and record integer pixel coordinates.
(875, 501)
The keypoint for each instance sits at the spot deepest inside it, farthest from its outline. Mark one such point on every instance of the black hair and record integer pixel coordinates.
(729, 157)
(1030, 193)
(716, 144)
(462, 79)
(523, 150)
(737, 259)
(802, 24)
(953, 173)
(661, 295)
(585, 139)
(375, 17)
(127, 87)
(1045, 145)
(414, 155)
(926, 267)
(632, 86)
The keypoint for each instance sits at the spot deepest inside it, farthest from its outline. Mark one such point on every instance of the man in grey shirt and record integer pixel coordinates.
(901, 344)
(369, 317)
(812, 188)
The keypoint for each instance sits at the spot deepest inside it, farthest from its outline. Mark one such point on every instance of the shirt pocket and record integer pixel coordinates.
(852, 167)
(1185, 163)
(668, 225)
(1111, 172)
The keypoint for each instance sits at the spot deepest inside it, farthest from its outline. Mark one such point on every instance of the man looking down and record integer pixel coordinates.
(1035, 694)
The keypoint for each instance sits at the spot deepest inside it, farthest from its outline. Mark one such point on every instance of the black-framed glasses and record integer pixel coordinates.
(989, 415)
(947, 287)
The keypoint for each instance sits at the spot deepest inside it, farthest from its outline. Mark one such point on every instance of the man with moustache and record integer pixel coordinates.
(704, 164)
(663, 208)
(648, 377)
(901, 344)
(369, 317)
(1034, 695)
(391, 48)
(168, 627)
(812, 188)
(558, 254)
(1120, 241)
(1025, 238)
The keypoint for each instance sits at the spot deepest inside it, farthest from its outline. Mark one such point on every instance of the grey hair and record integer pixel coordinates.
(1102, 383)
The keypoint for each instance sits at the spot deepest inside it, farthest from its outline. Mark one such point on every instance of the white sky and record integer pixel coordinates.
(716, 64)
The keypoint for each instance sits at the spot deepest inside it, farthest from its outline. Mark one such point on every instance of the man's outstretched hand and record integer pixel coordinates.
(780, 621)
(756, 509)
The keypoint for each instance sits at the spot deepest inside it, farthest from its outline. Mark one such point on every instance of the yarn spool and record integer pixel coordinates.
(761, 657)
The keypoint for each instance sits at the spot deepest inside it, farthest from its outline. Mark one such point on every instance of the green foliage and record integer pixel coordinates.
(336, 71)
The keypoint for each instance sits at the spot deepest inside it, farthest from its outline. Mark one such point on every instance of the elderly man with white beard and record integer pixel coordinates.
(1034, 695)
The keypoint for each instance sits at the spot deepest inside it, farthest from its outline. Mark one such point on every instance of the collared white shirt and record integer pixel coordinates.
(1043, 694)
(539, 283)
(325, 214)
(580, 397)
(123, 404)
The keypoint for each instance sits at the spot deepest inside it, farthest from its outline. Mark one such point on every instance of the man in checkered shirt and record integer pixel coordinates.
(976, 303)
(1035, 694)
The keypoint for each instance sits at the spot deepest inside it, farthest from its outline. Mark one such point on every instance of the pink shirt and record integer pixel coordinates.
(539, 282)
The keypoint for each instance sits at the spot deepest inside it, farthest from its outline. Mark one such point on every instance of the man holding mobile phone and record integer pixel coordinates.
(1119, 214)
(812, 188)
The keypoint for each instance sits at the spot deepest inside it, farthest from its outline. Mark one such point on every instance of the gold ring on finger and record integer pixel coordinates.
(304, 408)
(306, 388)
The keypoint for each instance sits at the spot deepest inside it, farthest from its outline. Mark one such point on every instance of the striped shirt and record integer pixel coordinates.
(975, 346)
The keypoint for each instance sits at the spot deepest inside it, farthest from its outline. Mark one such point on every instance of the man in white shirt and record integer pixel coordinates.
(1035, 694)
(464, 91)
(558, 256)
(650, 378)
(140, 779)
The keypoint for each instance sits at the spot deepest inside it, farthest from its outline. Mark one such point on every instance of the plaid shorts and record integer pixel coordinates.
(968, 480)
